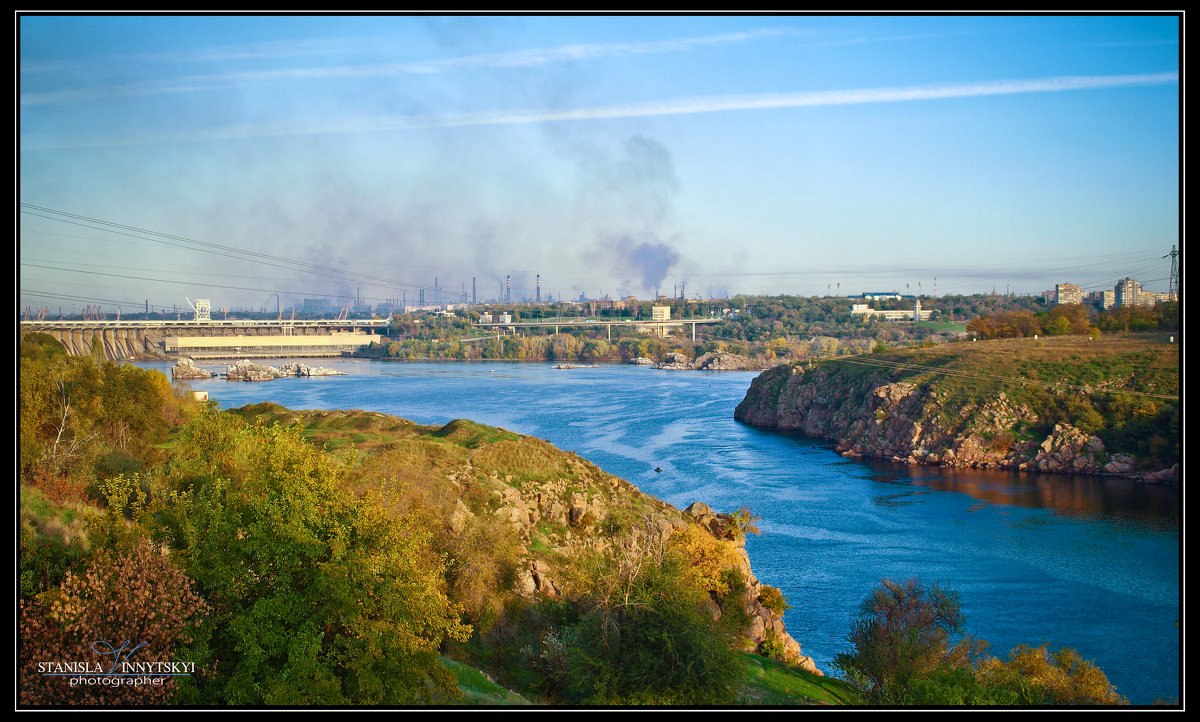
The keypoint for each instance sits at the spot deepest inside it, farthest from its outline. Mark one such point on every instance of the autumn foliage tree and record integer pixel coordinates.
(1063, 319)
(1037, 676)
(138, 596)
(78, 411)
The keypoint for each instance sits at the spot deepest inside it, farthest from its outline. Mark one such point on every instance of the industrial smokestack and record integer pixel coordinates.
(508, 289)
(539, 288)
(473, 297)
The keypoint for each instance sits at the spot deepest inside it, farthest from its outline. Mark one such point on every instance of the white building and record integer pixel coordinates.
(862, 309)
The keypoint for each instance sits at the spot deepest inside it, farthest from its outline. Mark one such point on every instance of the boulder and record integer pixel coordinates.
(299, 369)
(249, 371)
(674, 362)
(187, 370)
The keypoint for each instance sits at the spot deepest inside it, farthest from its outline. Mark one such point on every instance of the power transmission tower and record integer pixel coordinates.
(1173, 287)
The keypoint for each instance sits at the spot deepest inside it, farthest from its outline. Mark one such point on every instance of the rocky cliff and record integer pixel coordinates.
(887, 410)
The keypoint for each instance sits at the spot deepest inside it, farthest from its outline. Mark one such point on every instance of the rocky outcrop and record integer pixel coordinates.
(569, 518)
(249, 371)
(706, 362)
(187, 370)
(867, 414)
(723, 362)
(766, 631)
(557, 509)
(674, 362)
(299, 369)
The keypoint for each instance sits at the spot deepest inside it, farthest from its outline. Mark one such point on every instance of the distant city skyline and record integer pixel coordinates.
(241, 158)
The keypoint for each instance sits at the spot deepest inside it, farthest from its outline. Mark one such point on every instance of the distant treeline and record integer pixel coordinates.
(1075, 319)
(765, 329)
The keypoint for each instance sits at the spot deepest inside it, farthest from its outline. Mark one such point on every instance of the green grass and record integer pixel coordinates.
(478, 689)
(472, 435)
(955, 326)
(771, 683)
(527, 460)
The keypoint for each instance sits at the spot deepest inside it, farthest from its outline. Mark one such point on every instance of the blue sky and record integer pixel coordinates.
(613, 155)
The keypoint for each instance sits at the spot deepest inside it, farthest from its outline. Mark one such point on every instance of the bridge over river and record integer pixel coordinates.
(212, 339)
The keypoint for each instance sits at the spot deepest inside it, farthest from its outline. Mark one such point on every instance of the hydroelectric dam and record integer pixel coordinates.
(211, 338)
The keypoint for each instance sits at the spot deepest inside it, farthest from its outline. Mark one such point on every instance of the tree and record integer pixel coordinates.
(906, 630)
(137, 595)
(320, 596)
(643, 633)
(904, 654)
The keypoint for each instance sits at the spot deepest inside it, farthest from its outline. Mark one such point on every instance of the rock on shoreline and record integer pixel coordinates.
(244, 370)
(705, 362)
(187, 370)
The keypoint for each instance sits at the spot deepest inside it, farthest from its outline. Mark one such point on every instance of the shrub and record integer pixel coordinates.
(906, 630)
(320, 596)
(772, 598)
(644, 634)
(1034, 676)
(903, 655)
(139, 595)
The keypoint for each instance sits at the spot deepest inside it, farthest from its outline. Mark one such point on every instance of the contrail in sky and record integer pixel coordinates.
(675, 106)
(507, 59)
(809, 99)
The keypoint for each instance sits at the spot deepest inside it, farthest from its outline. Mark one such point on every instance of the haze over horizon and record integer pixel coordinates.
(242, 157)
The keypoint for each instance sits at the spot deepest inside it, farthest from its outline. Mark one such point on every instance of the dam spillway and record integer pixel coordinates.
(211, 339)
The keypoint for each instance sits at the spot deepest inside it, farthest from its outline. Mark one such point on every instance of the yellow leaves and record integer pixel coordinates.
(1059, 678)
(706, 558)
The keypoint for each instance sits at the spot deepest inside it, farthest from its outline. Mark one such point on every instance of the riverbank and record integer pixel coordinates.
(1062, 406)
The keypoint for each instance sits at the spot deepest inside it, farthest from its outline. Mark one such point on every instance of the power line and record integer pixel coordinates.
(204, 246)
(205, 285)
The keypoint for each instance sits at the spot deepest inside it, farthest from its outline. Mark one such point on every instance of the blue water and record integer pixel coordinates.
(1091, 564)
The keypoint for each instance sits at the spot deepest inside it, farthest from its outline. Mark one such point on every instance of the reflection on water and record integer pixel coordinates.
(1083, 497)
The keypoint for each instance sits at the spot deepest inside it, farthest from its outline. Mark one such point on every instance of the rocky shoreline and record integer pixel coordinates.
(706, 362)
(872, 417)
(187, 370)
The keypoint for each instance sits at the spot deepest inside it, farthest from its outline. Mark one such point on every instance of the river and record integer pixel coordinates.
(1081, 562)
